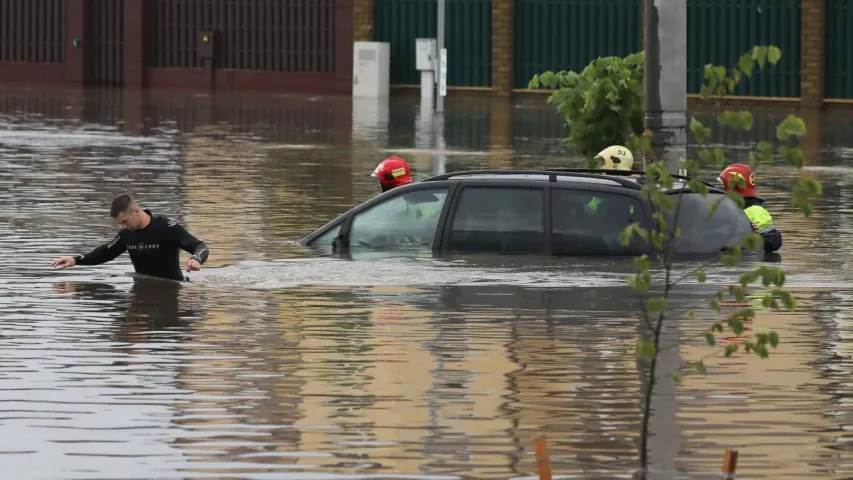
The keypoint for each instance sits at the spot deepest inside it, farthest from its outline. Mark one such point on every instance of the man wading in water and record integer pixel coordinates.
(151, 240)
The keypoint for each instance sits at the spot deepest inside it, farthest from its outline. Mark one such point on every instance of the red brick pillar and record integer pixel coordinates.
(344, 23)
(813, 53)
(135, 42)
(503, 41)
(75, 51)
(812, 143)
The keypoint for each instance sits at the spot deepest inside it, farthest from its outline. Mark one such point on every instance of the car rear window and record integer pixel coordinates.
(590, 223)
(498, 220)
(704, 231)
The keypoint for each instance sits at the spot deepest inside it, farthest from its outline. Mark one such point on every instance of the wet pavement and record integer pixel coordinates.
(276, 363)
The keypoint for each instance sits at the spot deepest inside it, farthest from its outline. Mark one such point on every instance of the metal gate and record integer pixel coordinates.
(32, 31)
(568, 34)
(720, 31)
(468, 38)
(267, 35)
(839, 54)
(104, 42)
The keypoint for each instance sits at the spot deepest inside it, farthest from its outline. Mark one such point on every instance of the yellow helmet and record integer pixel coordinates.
(615, 157)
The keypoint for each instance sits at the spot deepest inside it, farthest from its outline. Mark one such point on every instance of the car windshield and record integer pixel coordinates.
(704, 231)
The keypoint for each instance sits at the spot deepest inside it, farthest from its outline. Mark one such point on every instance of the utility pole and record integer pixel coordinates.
(666, 80)
(441, 68)
(441, 78)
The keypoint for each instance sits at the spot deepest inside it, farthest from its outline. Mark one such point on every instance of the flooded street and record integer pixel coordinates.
(274, 362)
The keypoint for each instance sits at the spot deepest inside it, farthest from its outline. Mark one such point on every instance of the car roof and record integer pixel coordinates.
(631, 179)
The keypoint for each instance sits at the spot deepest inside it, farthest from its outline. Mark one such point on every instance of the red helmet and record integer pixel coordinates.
(392, 172)
(738, 177)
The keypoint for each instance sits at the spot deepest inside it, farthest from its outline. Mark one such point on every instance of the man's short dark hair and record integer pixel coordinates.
(121, 204)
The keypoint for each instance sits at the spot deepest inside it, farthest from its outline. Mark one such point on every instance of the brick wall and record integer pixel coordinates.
(503, 40)
(362, 20)
(813, 52)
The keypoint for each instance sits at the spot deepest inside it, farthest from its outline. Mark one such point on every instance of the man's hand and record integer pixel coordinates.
(63, 262)
(193, 265)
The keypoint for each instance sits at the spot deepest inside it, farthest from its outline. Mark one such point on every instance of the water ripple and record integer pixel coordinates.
(278, 363)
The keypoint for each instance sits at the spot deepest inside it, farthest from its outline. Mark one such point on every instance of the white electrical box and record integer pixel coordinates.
(371, 69)
(425, 53)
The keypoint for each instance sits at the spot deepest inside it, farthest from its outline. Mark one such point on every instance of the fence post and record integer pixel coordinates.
(729, 464)
(543, 462)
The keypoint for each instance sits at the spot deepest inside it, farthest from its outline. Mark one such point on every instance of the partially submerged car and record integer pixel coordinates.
(557, 212)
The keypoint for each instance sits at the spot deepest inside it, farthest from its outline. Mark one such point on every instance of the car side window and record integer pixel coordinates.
(327, 238)
(406, 220)
(498, 220)
(590, 223)
(708, 223)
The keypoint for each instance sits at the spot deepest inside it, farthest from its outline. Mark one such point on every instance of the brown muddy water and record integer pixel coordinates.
(277, 363)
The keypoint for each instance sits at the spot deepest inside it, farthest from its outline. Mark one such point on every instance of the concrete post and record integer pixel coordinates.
(666, 79)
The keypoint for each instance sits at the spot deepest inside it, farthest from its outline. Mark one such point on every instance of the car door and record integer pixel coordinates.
(590, 221)
(406, 218)
(493, 216)
(708, 223)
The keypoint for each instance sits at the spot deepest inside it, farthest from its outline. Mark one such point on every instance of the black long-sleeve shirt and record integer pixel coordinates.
(153, 250)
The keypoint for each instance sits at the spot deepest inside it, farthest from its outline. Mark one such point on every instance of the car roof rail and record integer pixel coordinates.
(551, 173)
(628, 173)
(604, 174)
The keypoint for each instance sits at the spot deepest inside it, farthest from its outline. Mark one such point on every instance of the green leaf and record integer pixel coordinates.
(656, 305)
(774, 54)
(752, 242)
(736, 326)
(746, 64)
(677, 377)
(645, 349)
(700, 276)
(700, 367)
(774, 339)
(730, 349)
(759, 54)
(710, 339)
(715, 305)
(792, 126)
(700, 132)
(641, 263)
(792, 156)
(787, 299)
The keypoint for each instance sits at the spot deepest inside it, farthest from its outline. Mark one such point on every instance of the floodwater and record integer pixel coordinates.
(277, 363)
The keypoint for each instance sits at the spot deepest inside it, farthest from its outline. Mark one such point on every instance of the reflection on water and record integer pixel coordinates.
(275, 363)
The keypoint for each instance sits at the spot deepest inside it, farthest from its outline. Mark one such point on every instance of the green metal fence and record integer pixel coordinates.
(568, 34)
(468, 38)
(839, 49)
(720, 31)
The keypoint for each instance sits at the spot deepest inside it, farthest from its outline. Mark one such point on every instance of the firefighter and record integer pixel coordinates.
(739, 178)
